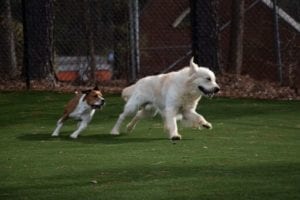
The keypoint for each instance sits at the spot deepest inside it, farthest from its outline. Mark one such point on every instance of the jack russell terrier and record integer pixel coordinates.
(82, 107)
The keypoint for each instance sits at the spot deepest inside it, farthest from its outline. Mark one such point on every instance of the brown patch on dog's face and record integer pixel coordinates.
(94, 98)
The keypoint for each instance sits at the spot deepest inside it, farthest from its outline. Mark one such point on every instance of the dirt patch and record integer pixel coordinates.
(231, 86)
(247, 87)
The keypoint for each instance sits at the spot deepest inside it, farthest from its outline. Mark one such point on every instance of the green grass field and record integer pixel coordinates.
(253, 152)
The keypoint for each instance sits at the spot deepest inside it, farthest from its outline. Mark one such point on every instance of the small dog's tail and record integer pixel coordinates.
(127, 92)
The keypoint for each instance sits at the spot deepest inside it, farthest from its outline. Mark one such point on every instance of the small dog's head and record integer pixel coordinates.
(202, 80)
(94, 98)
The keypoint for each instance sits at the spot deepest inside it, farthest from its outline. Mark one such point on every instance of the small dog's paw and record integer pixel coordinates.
(54, 135)
(73, 136)
(207, 125)
(176, 137)
(114, 132)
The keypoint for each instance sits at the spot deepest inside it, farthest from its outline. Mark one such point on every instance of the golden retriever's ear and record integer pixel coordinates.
(193, 66)
(191, 78)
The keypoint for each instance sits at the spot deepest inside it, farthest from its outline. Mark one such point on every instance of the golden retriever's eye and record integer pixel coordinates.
(208, 79)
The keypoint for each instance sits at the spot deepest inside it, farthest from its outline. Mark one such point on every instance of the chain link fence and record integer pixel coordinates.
(88, 37)
(11, 39)
(91, 40)
(259, 43)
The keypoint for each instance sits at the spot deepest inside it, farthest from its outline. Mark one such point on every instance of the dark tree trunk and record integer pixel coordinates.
(236, 37)
(8, 60)
(120, 41)
(204, 33)
(38, 38)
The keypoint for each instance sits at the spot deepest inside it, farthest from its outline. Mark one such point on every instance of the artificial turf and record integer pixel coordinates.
(253, 152)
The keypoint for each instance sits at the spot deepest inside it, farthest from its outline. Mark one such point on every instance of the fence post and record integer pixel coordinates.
(25, 48)
(91, 43)
(204, 33)
(236, 37)
(134, 40)
(277, 41)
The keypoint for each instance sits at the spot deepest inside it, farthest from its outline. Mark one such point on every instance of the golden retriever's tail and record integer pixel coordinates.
(127, 92)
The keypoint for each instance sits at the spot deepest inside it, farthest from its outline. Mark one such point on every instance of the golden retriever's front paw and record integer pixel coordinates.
(175, 137)
(207, 125)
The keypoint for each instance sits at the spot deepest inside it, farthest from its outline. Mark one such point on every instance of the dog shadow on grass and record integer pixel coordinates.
(90, 139)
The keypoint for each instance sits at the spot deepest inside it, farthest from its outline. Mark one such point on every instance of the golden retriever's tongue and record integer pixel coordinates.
(205, 92)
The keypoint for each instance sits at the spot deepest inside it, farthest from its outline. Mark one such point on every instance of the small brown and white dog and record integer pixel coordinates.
(82, 107)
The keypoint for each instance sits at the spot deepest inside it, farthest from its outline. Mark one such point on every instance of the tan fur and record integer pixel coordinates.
(81, 107)
(71, 105)
(126, 93)
(90, 98)
(93, 96)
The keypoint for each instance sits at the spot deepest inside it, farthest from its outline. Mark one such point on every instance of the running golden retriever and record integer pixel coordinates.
(174, 95)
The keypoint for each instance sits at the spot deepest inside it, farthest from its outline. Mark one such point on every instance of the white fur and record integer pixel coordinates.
(174, 95)
(82, 112)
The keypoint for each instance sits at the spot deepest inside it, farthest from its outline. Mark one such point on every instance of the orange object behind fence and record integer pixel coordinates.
(67, 75)
(103, 75)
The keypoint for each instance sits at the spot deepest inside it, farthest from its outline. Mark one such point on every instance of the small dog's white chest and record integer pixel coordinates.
(81, 110)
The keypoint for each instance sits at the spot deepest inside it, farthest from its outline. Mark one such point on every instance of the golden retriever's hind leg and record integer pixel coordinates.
(115, 130)
(147, 111)
(130, 108)
(131, 125)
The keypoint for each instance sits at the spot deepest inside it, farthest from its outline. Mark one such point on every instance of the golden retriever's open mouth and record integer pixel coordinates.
(206, 93)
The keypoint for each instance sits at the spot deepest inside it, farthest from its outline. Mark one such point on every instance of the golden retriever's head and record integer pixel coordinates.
(202, 80)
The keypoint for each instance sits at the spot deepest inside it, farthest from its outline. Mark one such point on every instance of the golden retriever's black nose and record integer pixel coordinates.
(216, 90)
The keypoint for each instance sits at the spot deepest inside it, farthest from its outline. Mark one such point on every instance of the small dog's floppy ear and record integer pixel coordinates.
(96, 87)
(193, 66)
(85, 91)
(76, 92)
